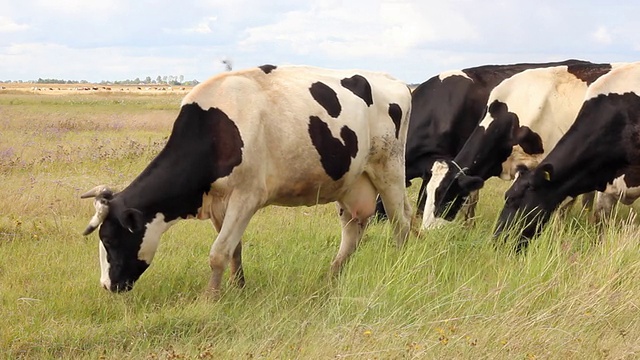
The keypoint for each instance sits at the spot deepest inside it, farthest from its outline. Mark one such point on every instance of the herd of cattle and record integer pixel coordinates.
(296, 135)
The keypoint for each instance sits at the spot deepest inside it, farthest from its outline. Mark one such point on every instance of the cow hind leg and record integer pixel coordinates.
(603, 208)
(352, 231)
(588, 200)
(390, 185)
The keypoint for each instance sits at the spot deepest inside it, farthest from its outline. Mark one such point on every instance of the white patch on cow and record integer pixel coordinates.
(438, 172)
(619, 188)
(151, 239)
(446, 74)
(623, 78)
(104, 267)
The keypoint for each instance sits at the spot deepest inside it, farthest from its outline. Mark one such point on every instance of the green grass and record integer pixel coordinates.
(452, 293)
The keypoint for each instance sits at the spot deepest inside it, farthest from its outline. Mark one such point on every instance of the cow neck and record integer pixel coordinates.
(471, 156)
(175, 181)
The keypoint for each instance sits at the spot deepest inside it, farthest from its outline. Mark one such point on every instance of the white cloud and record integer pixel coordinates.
(89, 8)
(203, 27)
(8, 26)
(602, 36)
(362, 29)
(411, 39)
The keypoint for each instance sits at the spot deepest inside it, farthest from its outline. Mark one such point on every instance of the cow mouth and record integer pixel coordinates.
(119, 287)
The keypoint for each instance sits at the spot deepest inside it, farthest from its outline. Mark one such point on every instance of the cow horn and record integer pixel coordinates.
(102, 195)
(98, 190)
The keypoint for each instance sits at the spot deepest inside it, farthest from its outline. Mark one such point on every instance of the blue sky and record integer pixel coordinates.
(412, 40)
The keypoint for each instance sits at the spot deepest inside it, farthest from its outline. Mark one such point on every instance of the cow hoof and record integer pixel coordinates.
(212, 294)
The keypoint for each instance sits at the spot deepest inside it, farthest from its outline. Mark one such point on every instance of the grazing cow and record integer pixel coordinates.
(289, 136)
(446, 109)
(526, 116)
(601, 151)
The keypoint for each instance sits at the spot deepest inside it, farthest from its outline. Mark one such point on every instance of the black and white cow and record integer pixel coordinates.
(601, 151)
(446, 109)
(526, 115)
(289, 136)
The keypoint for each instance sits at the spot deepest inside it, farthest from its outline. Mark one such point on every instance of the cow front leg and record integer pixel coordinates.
(468, 210)
(237, 274)
(227, 248)
(422, 196)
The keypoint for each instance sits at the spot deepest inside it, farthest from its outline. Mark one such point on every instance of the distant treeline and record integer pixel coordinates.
(160, 80)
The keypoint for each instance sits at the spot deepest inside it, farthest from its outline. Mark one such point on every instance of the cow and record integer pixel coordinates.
(526, 115)
(600, 151)
(445, 110)
(271, 135)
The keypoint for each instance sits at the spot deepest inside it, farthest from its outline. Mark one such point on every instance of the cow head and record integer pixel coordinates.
(446, 191)
(529, 203)
(128, 239)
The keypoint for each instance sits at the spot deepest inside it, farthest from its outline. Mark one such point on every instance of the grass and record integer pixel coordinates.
(452, 293)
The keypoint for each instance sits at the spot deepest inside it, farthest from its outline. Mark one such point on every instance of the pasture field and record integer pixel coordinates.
(451, 293)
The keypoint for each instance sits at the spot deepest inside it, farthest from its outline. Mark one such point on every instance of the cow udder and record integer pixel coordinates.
(360, 199)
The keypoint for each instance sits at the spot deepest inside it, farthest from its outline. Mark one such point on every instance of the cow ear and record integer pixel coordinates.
(132, 220)
(470, 183)
(542, 174)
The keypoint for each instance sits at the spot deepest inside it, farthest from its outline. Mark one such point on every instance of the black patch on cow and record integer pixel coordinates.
(267, 68)
(204, 145)
(395, 112)
(358, 85)
(334, 156)
(588, 72)
(496, 108)
(528, 140)
(326, 97)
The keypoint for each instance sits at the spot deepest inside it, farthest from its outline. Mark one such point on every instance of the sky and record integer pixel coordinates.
(410, 39)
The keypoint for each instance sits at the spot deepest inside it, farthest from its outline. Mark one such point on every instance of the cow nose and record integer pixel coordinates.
(121, 287)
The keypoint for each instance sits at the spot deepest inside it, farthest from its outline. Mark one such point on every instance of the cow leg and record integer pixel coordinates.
(468, 210)
(588, 200)
(422, 196)
(394, 198)
(237, 274)
(564, 207)
(381, 214)
(352, 231)
(603, 208)
(227, 245)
